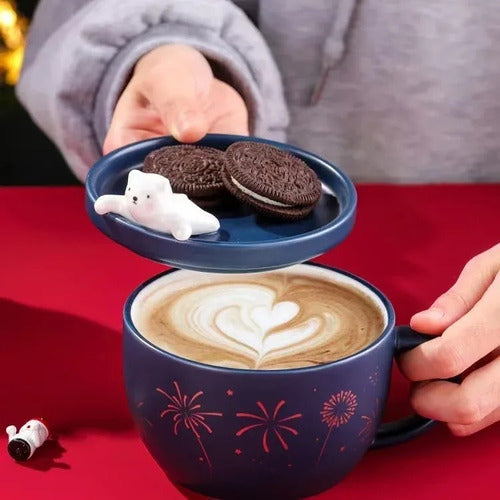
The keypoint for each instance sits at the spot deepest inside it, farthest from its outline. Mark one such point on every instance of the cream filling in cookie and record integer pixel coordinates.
(256, 196)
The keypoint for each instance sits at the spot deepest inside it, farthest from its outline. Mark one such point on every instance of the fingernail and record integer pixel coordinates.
(178, 129)
(174, 130)
(431, 314)
(185, 121)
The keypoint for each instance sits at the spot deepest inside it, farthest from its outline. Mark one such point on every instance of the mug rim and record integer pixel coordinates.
(133, 330)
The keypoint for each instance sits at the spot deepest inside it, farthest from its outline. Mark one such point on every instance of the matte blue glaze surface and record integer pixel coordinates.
(326, 417)
(245, 242)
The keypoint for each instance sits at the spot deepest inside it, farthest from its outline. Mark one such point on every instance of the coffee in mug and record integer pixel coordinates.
(298, 317)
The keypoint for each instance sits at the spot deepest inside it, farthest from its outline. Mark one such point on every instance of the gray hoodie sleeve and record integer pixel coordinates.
(81, 53)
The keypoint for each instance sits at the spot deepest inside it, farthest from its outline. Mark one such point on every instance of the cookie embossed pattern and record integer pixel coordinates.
(192, 170)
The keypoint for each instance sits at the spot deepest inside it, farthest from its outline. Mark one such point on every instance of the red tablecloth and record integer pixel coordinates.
(62, 288)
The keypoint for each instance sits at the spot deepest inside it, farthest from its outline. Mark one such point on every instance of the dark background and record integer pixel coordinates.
(27, 156)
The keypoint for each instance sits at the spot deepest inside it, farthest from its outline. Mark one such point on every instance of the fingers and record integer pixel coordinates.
(466, 341)
(468, 315)
(227, 111)
(475, 278)
(177, 81)
(166, 95)
(467, 407)
(133, 120)
(468, 429)
(121, 137)
(173, 91)
(183, 121)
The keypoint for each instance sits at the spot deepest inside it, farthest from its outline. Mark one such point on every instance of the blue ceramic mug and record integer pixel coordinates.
(233, 433)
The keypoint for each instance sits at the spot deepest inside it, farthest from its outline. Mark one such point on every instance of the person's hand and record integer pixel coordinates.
(173, 91)
(468, 317)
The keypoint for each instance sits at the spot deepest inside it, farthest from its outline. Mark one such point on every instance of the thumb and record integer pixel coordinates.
(184, 120)
(474, 280)
(446, 309)
(177, 80)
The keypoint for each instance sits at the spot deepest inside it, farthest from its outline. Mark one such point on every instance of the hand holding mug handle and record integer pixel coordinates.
(407, 428)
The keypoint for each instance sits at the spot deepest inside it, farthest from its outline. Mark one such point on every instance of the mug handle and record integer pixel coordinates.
(406, 428)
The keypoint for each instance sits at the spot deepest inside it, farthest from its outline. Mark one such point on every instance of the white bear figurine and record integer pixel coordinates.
(31, 436)
(149, 201)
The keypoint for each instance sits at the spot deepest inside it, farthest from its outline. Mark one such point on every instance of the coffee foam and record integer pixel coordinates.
(301, 316)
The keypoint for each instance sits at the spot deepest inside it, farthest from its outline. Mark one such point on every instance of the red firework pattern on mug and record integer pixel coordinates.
(139, 405)
(270, 423)
(368, 429)
(373, 378)
(339, 408)
(337, 411)
(186, 411)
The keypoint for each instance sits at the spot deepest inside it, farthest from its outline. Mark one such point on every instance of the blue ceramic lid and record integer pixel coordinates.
(245, 242)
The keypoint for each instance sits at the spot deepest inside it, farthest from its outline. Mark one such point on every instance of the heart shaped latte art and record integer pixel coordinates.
(269, 321)
(245, 320)
(269, 330)
(268, 318)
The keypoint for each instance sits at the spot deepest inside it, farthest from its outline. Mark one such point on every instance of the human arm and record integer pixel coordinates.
(77, 68)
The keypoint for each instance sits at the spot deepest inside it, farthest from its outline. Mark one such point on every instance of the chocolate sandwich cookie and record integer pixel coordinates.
(192, 170)
(274, 182)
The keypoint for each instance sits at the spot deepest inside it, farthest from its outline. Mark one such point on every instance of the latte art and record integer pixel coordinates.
(245, 319)
(274, 320)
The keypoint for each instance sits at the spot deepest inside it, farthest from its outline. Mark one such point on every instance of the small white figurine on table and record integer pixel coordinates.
(149, 201)
(31, 436)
